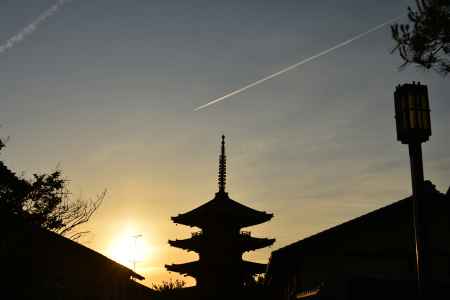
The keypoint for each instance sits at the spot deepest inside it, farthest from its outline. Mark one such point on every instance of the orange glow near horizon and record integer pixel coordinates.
(129, 247)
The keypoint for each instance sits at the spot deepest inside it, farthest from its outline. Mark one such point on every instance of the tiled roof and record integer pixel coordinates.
(222, 209)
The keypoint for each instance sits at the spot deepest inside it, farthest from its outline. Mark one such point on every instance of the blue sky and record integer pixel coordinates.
(107, 91)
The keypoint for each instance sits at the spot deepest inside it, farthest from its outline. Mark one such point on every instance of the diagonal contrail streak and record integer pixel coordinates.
(302, 62)
(21, 35)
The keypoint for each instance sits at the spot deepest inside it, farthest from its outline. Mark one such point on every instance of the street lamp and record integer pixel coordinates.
(412, 113)
(412, 116)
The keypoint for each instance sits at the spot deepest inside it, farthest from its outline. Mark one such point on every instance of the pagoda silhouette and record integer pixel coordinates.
(221, 243)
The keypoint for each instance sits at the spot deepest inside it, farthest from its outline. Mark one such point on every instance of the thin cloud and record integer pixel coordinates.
(302, 62)
(32, 27)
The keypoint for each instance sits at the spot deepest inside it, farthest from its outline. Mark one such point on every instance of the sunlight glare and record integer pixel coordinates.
(128, 248)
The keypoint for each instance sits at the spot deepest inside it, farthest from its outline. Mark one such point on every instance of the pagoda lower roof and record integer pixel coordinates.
(224, 210)
(195, 268)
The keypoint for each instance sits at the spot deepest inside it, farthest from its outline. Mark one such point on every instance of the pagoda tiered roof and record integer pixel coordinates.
(195, 267)
(250, 243)
(245, 242)
(222, 209)
(187, 269)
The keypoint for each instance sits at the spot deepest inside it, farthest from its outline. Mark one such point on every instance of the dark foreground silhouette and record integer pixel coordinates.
(221, 243)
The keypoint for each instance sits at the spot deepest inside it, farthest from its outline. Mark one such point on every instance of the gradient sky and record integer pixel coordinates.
(106, 90)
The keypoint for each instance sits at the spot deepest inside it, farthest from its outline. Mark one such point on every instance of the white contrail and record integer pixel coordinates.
(356, 37)
(21, 35)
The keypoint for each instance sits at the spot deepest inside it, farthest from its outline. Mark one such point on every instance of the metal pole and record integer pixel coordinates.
(135, 250)
(415, 155)
(134, 254)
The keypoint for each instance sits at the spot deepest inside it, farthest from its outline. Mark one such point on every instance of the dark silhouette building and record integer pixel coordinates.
(221, 243)
(40, 264)
(370, 257)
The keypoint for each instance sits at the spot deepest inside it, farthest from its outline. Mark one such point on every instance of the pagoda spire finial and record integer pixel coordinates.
(222, 167)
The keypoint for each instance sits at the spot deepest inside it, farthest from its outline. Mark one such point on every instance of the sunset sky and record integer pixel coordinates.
(106, 91)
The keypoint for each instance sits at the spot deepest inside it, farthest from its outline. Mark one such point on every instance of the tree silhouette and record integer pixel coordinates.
(169, 285)
(44, 200)
(425, 42)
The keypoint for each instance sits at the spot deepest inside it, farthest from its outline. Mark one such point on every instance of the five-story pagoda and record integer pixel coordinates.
(221, 243)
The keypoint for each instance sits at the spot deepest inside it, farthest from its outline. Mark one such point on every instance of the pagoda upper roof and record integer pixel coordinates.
(222, 209)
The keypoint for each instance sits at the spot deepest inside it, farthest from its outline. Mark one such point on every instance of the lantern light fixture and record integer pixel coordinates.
(412, 113)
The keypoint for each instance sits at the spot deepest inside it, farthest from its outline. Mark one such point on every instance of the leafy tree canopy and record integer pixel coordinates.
(425, 40)
(44, 200)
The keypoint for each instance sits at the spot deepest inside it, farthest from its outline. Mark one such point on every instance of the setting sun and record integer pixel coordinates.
(129, 249)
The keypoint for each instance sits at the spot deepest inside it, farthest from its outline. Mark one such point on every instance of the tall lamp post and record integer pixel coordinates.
(412, 116)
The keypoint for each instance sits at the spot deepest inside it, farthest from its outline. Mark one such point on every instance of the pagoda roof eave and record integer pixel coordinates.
(246, 243)
(252, 243)
(192, 268)
(222, 208)
(205, 222)
(186, 269)
(189, 244)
